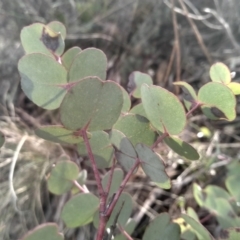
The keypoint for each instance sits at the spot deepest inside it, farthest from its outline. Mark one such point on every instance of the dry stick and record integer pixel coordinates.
(169, 67)
(102, 194)
(123, 184)
(82, 189)
(196, 32)
(176, 44)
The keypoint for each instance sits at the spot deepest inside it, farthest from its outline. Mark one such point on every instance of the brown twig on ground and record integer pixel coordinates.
(176, 46)
(196, 32)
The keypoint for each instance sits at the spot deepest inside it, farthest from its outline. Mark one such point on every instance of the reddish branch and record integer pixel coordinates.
(123, 184)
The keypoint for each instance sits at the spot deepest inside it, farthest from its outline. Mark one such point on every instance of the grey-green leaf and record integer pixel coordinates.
(162, 109)
(43, 80)
(79, 210)
(136, 128)
(182, 148)
(46, 231)
(91, 103)
(62, 175)
(91, 62)
(124, 150)
(58, 134)
(153, 166)
(162, 228)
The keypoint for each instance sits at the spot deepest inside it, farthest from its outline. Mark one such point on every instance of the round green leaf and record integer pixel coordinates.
(198, 227)
(58, 27)
(2, 139)
(139, 110)
(69, 56)
(58, 134)
(225, 214)
(124, 150)
(235, 87)
(182, 148)
(153, 166)
(91, 103)
(136, 128)
(136, 79)
(189, 94)
(117, 178)
(62, 175)
(230, 234)
(39, 38)
(91, 62)
(232, 184)
(162, 228)
(218, 101)
(101, 148)
(126, 101)
(122, 211)
(46, 231)
(79, 210)
(219, 72)
(42, 80)
(163, 109)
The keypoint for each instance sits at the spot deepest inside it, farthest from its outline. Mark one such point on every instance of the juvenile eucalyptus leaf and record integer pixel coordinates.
(124, 150)
(2, 139)
(218, 101)
(69, 56)
(46, 231)
(62, 175)
(162, 228)
(39, 38)
(59, 134)
(126, 101)
(136, 79)
(189, 94)
(230, 234)
(235, 87)
(101, 148)
(136, 128)
(58, 27)
(201, 232)
(153, 166)
(90, 62)
(139, 110)
(225, 214)
(162, 109)
(232, 184)
(91, 103)
(79, 210)
(219, 72)
(182, 148)
(117, 178)
(43, 80)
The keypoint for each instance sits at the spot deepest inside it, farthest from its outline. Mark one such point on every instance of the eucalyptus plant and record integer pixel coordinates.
(96, 115)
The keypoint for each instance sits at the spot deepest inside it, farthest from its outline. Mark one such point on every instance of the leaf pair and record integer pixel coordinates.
(46, 76)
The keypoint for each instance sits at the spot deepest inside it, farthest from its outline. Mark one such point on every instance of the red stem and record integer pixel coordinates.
(196, 106)
(123, 184)
(124, 232)
(160, 139)
(110, 178)
(102, 194)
